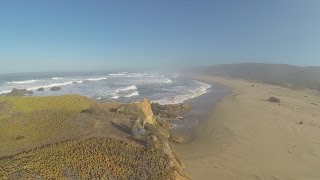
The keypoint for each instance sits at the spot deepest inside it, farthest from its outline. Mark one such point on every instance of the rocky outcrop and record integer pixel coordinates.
(55, 88)
(139, 110)
(178, 140)
(40, 89)
(19, 92)
(154, 131)
(137, 128)
(274, 99)
(169, 111)
(157, 140)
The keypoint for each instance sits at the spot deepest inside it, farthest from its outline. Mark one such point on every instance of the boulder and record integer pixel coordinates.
(55, 88)
(40, 89)
(153, 142)
(274, 99)
(178, 140)
(19, 92)
(140, 110)
(137, 128)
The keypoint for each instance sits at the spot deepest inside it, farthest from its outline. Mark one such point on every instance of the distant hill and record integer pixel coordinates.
(279, 74)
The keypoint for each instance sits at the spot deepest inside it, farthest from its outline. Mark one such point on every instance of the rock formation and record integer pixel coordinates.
(19, 92)
(155, 131)
(274, 99)
(40, 89)
(55, 88)
(139, 110)
(137, 128)
(169, 111)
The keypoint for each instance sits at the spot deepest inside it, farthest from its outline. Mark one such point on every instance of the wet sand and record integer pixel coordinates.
(201, 106)
(246, 137)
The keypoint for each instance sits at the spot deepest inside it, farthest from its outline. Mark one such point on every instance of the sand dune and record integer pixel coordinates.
(247, 137)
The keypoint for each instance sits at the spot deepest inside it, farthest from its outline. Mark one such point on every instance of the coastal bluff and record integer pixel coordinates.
(72, 136)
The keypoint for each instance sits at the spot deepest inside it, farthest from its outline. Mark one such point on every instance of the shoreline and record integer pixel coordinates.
(201, 108)
(246, 137)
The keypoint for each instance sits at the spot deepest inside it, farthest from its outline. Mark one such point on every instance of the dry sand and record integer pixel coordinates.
(247, 137)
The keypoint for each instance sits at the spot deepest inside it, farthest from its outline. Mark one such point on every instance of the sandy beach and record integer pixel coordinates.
(246, 137)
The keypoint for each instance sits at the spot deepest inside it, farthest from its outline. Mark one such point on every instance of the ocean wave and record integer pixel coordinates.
(128, 91)
(22, 82)
(128, 88)
(96, 79)
(117, 96)
(202, 89)
(51, 85)
(135, 93)
(168, 81)
(5, 91)
(117, 74)
(56, 78)
(128, 75)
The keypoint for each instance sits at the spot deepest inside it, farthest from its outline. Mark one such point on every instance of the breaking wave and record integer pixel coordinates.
(22, 82)
(202, 89)
(96, 79)
(51, 85)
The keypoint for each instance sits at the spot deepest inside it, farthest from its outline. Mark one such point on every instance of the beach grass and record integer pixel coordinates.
(28, 122)
(87, 159)
(71, 103)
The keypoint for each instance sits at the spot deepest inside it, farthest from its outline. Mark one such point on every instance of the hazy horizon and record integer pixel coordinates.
(47, 36)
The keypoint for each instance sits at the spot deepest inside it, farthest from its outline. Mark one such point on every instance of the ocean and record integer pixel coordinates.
(163, 88)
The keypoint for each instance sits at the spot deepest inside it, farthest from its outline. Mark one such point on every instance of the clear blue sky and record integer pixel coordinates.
(49, 35)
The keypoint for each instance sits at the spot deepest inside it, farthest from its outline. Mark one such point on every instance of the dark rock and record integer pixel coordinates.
(152, 141)
(178, 140)
(274, 99)
(55, 88)
(314, 104)
(19, 92)
(169, 111)
(252, 85)
(19, 137)
(300, 122)
(163, 122)
(40, 89)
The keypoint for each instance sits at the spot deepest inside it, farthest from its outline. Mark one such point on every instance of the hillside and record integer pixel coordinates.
(73, 137)
(278, 74)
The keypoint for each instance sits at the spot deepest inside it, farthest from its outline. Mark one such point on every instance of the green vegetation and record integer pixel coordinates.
(71, 103)
(27, 122)
(87, 159)
(68, 137)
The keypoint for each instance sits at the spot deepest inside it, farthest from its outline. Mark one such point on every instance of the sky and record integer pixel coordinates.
(60, 35)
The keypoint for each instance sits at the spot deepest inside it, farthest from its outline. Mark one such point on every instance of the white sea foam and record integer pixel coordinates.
(56, 78)
(202, 89)
(5, 91)
(125, 74)
(135, 93)
(51, 85)
(117, 74)
(115, 97)
(22, 82)
(168, 81)
(96, 79)
(128, 88)
(128, 91)
(78, 81)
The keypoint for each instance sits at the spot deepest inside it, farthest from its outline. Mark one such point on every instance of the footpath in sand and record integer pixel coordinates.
(247, 137)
